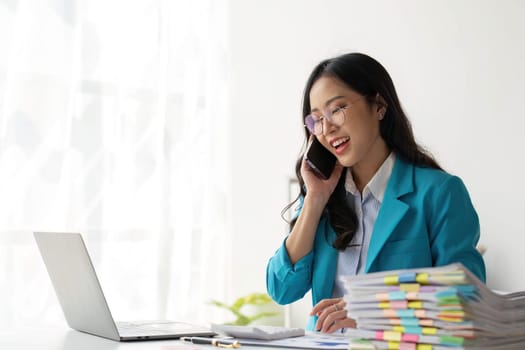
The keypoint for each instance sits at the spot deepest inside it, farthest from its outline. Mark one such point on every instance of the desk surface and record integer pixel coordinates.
(67, 339)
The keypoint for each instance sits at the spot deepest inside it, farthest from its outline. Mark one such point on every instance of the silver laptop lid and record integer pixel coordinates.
(76, 284)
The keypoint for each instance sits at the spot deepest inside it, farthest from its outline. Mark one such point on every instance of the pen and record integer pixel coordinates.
(221, 343)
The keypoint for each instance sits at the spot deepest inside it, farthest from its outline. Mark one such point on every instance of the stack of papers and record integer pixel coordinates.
(439, 308)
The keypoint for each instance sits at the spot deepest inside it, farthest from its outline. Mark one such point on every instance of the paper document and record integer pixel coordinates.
(315, 341)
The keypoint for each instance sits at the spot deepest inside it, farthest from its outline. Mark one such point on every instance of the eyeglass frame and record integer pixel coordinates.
(329, 117)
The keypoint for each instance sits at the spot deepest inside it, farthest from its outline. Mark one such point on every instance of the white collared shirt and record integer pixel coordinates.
(352, 260)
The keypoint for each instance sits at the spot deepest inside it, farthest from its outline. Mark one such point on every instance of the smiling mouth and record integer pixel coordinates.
(339, 142)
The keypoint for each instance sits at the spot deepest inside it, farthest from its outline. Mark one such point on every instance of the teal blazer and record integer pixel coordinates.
(426, 219)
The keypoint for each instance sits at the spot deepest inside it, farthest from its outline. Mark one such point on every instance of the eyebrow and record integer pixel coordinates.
(328, 102)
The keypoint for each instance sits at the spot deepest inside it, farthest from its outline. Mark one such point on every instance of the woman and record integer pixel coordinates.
(387, 204)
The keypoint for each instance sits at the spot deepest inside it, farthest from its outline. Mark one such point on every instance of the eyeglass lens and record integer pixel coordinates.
(315, 123)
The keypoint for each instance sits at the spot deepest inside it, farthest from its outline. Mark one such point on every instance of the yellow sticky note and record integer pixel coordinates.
(415, 304)
(389, 280)
(383, 305)
(398, 329)
(429, 330)
(393, 336)
(424, 347)
(393, 345)
(422, 278)
(409, 287)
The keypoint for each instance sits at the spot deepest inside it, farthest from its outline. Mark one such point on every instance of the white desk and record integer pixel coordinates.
(67, 339)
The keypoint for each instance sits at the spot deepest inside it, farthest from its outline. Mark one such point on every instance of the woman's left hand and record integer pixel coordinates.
(331, 315)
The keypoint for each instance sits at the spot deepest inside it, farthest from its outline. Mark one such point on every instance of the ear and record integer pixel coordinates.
(381, 106)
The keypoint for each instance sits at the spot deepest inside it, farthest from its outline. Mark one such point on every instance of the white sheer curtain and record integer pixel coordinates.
(114, 123)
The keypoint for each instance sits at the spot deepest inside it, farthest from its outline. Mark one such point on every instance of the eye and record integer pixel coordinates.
(338, 109)
(316, 118)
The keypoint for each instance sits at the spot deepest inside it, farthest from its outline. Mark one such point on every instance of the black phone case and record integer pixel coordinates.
(321, 160)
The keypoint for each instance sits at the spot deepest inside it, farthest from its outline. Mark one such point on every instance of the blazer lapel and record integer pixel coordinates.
(392, 209)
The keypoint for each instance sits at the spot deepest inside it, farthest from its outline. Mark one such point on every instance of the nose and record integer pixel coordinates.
(328, 126)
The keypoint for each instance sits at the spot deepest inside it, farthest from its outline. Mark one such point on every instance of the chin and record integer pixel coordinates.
(348, 160)
(346, 163)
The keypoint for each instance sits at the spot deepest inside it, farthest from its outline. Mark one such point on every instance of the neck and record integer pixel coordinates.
(363, 171)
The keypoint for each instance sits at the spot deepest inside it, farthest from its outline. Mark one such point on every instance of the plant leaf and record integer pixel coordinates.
(250, 299)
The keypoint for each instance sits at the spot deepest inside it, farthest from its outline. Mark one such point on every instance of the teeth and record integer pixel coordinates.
(340, 141)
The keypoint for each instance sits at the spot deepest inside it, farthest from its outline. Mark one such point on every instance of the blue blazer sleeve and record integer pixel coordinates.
(285, 282)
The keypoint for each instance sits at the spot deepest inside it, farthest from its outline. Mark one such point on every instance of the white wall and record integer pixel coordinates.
(458, 67)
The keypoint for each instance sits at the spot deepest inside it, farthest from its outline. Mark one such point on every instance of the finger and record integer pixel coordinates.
(310, 140)
(306, 169)
(322, 318)
(336, 325)
(332, 321)
(323, 304)
(351, 323)
(320, 321)
(320, 306)
(326, 307)
(330, 317)
(336, 303)
(341, 305)
(338, 320)
(341, 323)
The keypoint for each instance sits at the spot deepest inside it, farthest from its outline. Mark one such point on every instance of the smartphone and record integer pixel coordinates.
(321, 160)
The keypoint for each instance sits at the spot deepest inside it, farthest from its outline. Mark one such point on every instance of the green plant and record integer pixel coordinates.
(255, 299)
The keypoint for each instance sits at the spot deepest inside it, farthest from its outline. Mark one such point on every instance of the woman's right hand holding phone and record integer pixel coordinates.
(318, 191)
(317, 188)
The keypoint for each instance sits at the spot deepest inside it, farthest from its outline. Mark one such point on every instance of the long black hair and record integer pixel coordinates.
(366, 76)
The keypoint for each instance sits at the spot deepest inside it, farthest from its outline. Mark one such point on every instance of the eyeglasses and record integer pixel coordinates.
(336, 117)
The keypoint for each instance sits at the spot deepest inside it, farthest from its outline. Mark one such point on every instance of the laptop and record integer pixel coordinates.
(82, 300)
